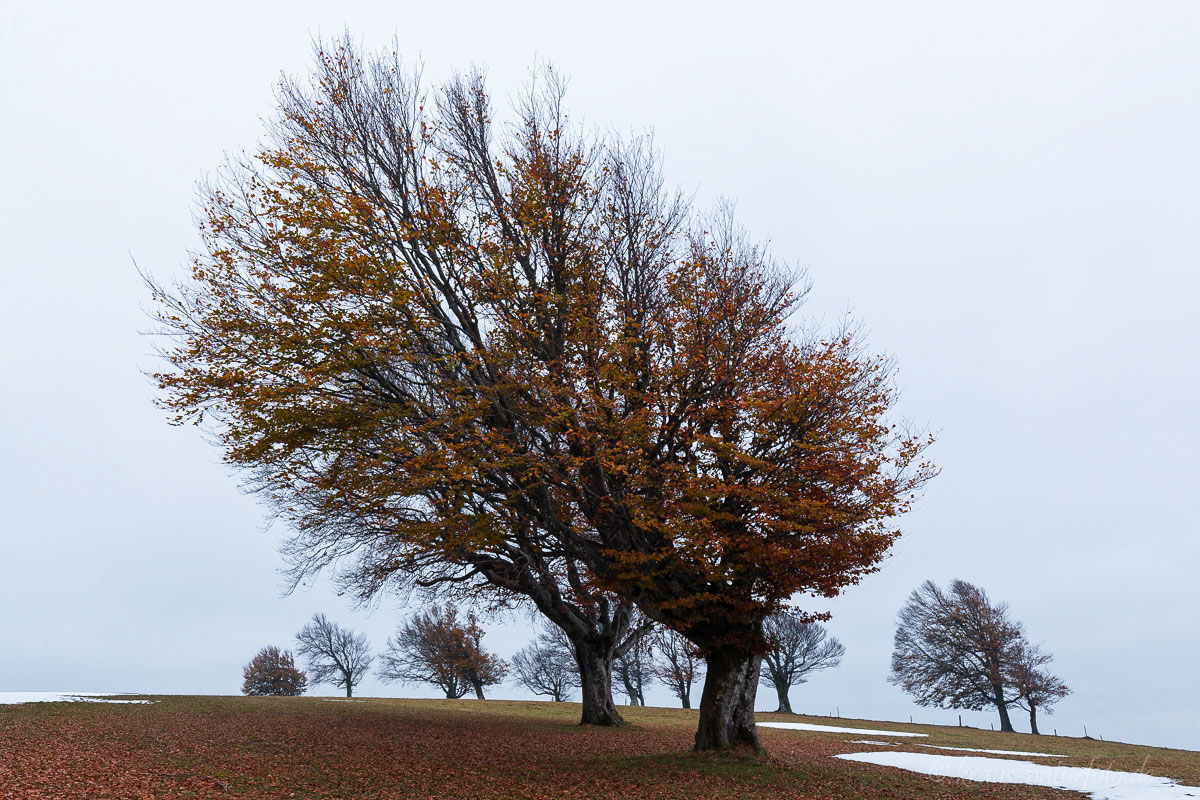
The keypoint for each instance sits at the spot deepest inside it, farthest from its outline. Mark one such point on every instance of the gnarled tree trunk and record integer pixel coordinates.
(785, 705)
(727, 704)
(1033, 719)
(1002, 707)
(595, 675)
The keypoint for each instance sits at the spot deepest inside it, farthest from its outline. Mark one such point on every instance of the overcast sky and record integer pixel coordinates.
(1006, 195)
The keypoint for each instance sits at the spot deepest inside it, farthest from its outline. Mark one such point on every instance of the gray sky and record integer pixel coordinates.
(1005, 194)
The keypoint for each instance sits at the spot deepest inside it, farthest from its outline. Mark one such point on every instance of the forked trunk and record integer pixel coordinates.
(1002, 707)
(630, 691)
(727, 704)
(595, 675)
(785, 705)
(1033, 719)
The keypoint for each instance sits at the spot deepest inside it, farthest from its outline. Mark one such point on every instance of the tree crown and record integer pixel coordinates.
(433, 342)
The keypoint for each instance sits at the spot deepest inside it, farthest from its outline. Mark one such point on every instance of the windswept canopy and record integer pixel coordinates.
(447, 348)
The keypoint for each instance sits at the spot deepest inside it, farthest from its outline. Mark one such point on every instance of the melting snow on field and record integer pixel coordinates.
(1101, 784)
(997, 752)
(804, 726)
(12, 698)
(872, 741)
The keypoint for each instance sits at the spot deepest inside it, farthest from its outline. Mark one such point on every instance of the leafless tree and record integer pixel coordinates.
(954, 649)
(1036, 686)
(335, 655)
(547, 665)
(434, 646)
(678, 663)
(635, 667)
(796, 649)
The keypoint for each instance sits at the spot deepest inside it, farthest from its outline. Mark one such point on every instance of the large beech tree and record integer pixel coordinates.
(451, 350)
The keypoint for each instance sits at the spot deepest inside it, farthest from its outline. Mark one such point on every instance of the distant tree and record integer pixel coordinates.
(335, 655)
(273, 672)
(796, 648)
(1036, 686)
(954, 649)
(635, 667)
(547, 666)
(677, 664)
(434, 646)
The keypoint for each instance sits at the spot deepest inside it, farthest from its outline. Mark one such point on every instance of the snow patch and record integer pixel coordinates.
(998, 752)
(804, 726)
(871, 741)
(1101, 784)
(15, 698)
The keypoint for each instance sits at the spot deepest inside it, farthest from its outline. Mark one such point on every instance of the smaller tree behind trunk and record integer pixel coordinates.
(796, 648)
(547, 665)
(634, 666)
(677, 664)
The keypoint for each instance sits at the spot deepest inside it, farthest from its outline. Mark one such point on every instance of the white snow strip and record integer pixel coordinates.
(998, 752)
(14, 698)
(871, 741)
(1101, 784)
(804, 726)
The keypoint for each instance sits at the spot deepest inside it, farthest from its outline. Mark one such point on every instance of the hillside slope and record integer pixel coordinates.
(303, 747)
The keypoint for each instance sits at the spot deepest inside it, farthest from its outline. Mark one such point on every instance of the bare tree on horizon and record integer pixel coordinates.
(335, 655)
(796, 648)
(1036, 687)
(546, 666)
(434, 646)
(955, 648)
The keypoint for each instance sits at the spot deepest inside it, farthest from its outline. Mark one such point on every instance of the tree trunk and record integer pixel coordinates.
(785, 705)
(727, 704)
(595, 675)
(478, 690)
(685, 697)
(630, 692)
(1033, 719)
(349, 689)
(1002, 707)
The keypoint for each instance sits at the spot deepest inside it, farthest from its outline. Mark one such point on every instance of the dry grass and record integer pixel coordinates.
(209, 747)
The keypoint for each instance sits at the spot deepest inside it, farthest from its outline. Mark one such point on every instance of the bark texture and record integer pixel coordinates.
(1002, 707)
(727, 704)
(785, 705)
(595, 677)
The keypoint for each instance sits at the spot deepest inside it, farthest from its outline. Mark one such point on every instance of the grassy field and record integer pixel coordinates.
(210, 747)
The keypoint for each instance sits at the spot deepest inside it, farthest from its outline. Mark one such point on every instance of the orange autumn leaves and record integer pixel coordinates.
(422, 335)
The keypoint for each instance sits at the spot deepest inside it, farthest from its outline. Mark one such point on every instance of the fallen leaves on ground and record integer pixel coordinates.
(306, 748)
